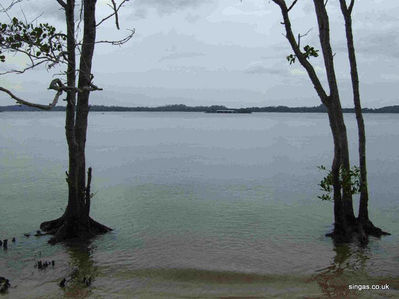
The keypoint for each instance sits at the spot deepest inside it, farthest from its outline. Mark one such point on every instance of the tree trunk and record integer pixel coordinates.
(346, 224)
(89, 38)
(363, 216)
(76, 222)
(343, 210)
(363, 210)
(336, 119)
(340, 225)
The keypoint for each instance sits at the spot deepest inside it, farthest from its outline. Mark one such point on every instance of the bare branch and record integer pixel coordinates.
(23, 13)
(346, 11)
(292, 5)
(302, 35)
(33, 65)
(351, 6)
(115, 13)
(5, 9)
(56, 84)
(62, 3)
(36, 61)
(118, 42)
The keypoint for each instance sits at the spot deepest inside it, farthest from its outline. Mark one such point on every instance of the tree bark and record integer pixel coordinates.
(345, 221)
(335, 106)
(363, 216)
(343, 210)
(363, 210)
(76, 222)
(89, 38)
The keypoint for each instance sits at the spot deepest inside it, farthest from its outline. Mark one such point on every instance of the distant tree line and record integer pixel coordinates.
(184, 108)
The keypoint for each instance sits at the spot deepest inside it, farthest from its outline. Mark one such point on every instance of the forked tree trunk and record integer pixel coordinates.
(76, 222)
(345, 220)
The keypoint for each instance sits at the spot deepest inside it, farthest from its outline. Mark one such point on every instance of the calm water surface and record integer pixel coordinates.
(202, 206)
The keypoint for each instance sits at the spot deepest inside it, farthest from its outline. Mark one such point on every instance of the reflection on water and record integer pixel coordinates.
(333, 279)
(83, 271)
(348, 268)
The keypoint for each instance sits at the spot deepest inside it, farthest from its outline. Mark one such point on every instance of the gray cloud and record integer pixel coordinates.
(229, 52)
(259, 69)
(181, 55)
(165, 6)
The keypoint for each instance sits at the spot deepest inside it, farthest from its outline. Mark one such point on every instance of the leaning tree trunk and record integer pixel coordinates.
(338, 128)
(343, 210)
(76, 222)
(363, 217)
(363, 210)
(346, 224)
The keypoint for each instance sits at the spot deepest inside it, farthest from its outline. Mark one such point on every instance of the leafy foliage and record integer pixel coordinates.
(41, 43)
(348, 178)
(308, 52)
(291, 58)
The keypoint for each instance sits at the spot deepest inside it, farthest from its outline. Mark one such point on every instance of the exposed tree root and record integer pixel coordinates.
(52, 226)
(374, 231)
(360, 231)
(65, 229)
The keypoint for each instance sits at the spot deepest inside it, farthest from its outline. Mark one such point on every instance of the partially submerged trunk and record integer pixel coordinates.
(76, 222)
(338, 127)
(346, 225)
(363, 217)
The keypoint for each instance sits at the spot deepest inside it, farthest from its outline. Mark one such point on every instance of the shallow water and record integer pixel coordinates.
(202, 205)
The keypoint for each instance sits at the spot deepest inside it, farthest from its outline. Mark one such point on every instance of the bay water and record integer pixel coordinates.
(202, 206)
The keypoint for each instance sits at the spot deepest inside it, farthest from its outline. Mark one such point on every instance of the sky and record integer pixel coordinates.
(221, 52)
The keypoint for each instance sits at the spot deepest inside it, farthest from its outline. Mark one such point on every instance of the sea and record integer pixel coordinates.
(201, 205)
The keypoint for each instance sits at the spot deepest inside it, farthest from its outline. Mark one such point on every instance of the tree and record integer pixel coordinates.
(345, 222)
(76, 221)
(363, 216)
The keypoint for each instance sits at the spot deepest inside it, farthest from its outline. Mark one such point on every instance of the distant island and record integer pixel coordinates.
(209, 109)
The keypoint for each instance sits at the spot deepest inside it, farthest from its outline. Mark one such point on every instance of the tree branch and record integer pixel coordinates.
(351, 6)
(292, 5)
(36, 61)
(115, 13)
(120, 41)
(301, 57)
(40, 44)
(33, 65)
(5, 9)
(62, 3)
(302, 35)
(56, 84)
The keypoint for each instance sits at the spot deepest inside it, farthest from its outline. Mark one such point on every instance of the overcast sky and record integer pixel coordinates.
(204, 52)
